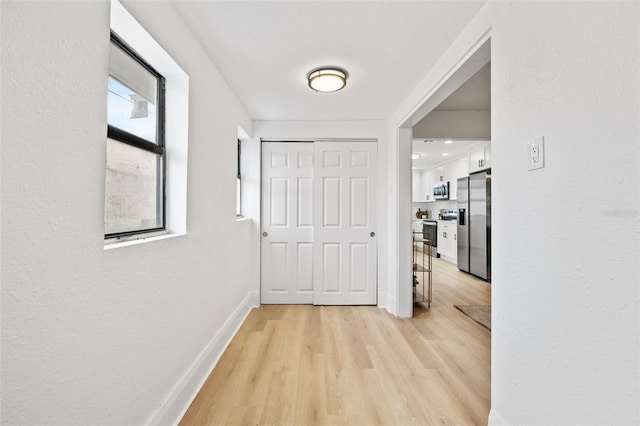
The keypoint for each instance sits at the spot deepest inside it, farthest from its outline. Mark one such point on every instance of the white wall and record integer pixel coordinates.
(367, 129)
(565, 238)
(106, 337)
(566, 257)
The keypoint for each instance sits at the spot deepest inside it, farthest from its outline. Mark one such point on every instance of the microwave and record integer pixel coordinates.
(441, 191)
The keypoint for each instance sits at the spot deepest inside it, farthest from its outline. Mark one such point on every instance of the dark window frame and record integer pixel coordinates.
(158, 148)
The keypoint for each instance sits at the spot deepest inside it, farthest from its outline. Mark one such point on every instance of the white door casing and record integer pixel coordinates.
(345, 244)
(287, 223)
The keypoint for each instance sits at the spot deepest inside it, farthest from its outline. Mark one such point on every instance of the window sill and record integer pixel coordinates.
(142, 240)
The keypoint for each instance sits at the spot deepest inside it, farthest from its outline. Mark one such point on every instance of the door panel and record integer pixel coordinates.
(287, 223)
(305, 202)
(345, 248)
(359, 202)
(331, 264)
(304, 273)
(359, 260)
(279, 200)
(278, 255)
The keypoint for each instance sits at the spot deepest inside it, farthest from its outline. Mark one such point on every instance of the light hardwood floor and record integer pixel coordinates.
(356, 365)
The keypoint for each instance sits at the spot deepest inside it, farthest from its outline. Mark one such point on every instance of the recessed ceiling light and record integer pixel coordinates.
(327, 79)
(444, 154)
(416, 155)
(447, 142)
(414, 168)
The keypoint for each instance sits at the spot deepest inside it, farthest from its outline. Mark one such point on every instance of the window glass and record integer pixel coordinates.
(239, 183)
(133, 196)
(238, 194)
(131, 112)
(133, 95)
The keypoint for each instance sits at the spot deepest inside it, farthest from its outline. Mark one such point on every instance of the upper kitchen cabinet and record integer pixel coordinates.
(458, 169)
(442, 173)
(480, 159)
(429, 179)
(417, 188)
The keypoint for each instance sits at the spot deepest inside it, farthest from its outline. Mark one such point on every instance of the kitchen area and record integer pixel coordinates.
(452, 202)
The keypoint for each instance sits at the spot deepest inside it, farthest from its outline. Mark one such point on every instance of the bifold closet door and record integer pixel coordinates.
(344, 231)
(287, 223)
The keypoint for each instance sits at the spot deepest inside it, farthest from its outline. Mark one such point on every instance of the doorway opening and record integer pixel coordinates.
(448, 137)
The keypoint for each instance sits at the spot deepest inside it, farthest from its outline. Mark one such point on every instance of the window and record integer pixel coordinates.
(135, 173)
(239, 183)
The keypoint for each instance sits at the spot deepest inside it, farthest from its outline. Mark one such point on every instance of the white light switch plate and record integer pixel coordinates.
(535, 154)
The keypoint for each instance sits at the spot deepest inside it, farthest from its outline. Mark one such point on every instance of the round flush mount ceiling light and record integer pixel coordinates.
(327, 79)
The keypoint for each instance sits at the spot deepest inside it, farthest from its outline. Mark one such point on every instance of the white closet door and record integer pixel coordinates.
(287, 223)
(345, 248)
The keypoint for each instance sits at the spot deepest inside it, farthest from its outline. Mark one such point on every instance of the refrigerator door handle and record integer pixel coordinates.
(462, 216)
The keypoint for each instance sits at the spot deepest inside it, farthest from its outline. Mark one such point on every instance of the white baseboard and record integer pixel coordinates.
(383, 300)
(387, 301)
(255, 298)
(496, 419)
(188, 386)
(449, 259)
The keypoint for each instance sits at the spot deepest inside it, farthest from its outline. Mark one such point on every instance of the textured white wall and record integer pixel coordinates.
(566, 309)
(92, 336)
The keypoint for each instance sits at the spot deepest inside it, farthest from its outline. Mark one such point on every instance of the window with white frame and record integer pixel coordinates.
(136, 156)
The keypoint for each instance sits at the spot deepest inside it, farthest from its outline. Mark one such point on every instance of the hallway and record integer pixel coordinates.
(355, 365)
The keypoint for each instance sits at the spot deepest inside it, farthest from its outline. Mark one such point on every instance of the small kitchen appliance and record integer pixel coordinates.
(441, 191)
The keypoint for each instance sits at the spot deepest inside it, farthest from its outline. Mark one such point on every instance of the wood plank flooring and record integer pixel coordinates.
(356, 365)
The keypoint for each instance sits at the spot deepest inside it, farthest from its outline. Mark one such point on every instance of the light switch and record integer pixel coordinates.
(535, 153)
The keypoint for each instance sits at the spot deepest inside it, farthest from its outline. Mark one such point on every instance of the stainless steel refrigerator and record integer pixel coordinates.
(474, 225)
(463, 224)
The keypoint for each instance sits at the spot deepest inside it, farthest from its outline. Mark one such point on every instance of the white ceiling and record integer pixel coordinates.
(473, 95)
(432, 151)
(265, 49)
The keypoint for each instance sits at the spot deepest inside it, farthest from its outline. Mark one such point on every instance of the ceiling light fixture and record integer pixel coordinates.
(416, 155)
(447, 142)
(444, 154)
(327, 79)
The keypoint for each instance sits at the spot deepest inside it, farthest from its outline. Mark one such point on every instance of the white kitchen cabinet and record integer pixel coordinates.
(417, 188)
(458, 168)
(428, 180)
(480, 159)
(487, 157)
(448, 240)
(441, 173)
